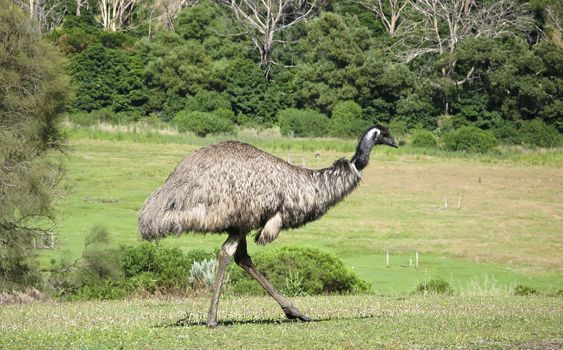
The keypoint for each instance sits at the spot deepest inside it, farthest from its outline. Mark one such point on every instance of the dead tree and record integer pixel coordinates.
(170, 10)
(389, 16)
(48, 13)
(444, 24)
(263, 20)
(114, 14)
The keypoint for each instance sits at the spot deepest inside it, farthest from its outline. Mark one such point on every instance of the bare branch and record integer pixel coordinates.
(262, 20)
(390, 17)
(442, 24)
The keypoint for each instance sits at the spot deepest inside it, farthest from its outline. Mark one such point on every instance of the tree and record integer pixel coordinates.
(32, 98)
(389, 15)
(439, 26)
(114, 14)
(262, 21)
(171, 9)
(48, 13)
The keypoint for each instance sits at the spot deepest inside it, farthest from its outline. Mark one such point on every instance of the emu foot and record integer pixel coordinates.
(292, 313)
(211, 324)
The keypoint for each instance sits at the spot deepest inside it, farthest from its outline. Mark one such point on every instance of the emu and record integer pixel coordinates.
(235, 188)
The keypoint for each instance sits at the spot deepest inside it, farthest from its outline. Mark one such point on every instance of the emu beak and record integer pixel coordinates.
(390, 142)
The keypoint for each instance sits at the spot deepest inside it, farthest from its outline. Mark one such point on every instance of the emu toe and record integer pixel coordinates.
(292, 313)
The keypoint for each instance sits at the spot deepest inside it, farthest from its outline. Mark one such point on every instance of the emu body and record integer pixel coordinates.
(237, 188)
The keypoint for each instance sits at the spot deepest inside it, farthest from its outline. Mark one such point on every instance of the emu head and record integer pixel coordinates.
(376, 135)
(381, 136)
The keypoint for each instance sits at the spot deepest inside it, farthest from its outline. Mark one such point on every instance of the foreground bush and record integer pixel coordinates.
(470, 139)
(424, 139)
(299, 271)
(106, 273)
(302, 123)
(165, 267)
(434, 286)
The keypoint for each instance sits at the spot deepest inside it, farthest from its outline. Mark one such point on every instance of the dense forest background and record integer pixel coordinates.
(314, 68)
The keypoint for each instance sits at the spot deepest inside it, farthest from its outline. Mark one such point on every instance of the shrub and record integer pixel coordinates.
(106, 290)
(83, 118)
(507, 132)
(202, 123)
(302, 123)
(470, 139)
(424, 139)
(524, 290)
(300, 271)
(398, 127)
(202, 274)
(168, 267)
(434, 286)
(347, 120)
(537, 133)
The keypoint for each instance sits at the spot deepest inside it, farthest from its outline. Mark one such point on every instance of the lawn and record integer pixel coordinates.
(501, 227)
(339, 322)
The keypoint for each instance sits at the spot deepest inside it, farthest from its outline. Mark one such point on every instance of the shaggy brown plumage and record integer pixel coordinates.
(235, 185)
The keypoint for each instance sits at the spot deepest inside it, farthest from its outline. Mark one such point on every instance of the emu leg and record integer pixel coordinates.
(243, 260)
(227, 251)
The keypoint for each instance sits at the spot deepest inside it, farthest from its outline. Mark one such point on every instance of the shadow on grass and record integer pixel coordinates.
(188, 321)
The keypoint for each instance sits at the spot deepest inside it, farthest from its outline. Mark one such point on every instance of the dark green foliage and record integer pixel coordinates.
(207, 101)
(346, 120)
(316, 272)
(99, 261)
(105, 77)
(204, 123)
(33, 93)
(342, 54)
(424, 139)
(537, 133)
(470, 139)
(507, 132)
(302, 123)
(434, 286)
(159, 266)
(524, 290)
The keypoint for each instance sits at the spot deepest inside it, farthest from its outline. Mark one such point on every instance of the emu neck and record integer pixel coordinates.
(335, 183)
(361, 157)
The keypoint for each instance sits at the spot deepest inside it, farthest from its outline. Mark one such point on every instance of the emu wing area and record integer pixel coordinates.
(229, 185)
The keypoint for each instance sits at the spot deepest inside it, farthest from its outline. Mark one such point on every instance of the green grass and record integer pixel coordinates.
(339, 322)
(507, 230)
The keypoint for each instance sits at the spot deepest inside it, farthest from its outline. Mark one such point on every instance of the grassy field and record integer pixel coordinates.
(502, 226)
(339, 322)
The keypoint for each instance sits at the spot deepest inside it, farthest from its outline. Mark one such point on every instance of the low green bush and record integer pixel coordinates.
(302, 123)
(507, 132)
(169, 267)
(537, 133)
(347, 120)
(398, 127)
(203, 123)
(470, 139)
(83, 119)
(299, 271)
(524, 290)
(424, 139)
(434, 286)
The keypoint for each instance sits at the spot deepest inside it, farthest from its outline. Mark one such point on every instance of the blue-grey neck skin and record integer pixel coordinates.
(361, 157)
